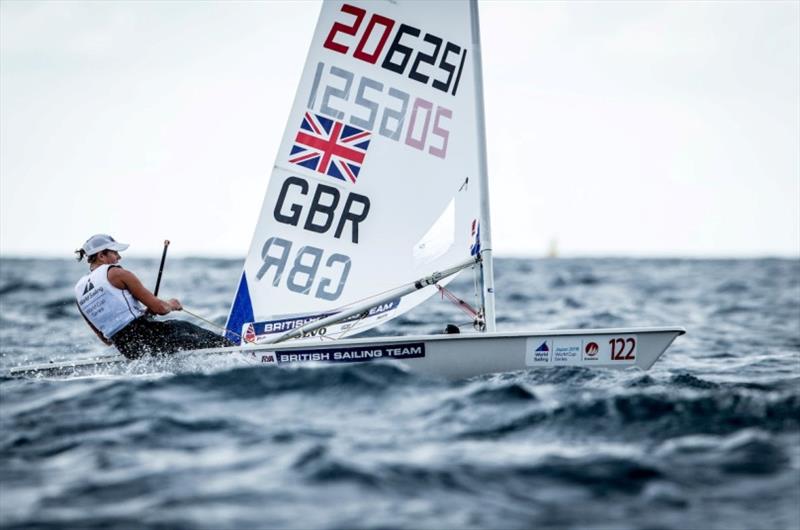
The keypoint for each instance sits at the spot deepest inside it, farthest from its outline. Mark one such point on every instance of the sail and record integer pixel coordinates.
(377, 180)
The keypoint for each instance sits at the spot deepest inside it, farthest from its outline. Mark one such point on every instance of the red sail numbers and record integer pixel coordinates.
(408, 47)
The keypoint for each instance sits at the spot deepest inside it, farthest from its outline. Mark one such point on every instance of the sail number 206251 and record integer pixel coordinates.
(410, 53)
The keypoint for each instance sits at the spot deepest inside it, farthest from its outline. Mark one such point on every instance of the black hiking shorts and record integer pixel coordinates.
(147, 336)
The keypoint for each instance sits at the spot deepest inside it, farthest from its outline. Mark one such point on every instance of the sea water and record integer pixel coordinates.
(708, 438)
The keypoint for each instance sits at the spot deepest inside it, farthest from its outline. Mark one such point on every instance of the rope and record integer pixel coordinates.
(214, 324)
(353, 325)
(476, 285)
(480, 322)
(457, 301)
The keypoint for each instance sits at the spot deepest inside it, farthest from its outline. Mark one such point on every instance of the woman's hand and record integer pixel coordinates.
(174, 304)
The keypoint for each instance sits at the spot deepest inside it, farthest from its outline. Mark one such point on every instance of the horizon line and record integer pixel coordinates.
(510, 255)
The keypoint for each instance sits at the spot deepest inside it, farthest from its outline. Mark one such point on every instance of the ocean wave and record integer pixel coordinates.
(61, 308)
(257, 381)
(503, 394)
(600, 474)
(657, 415)
(8, 288)
(746, 452)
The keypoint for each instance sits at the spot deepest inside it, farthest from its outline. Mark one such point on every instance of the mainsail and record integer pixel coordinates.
(378, 177)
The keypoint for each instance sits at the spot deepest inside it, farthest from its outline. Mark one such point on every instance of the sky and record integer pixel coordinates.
(613, 128)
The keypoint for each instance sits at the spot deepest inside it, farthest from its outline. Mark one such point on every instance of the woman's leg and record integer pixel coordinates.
(188, 336)
(146, 336)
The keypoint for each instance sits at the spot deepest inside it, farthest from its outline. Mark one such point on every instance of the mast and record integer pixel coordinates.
(487, 267)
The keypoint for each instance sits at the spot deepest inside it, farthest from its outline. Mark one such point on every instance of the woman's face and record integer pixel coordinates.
(109, 257)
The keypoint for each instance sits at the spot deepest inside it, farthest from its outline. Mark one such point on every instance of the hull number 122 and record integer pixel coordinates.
(623, 349)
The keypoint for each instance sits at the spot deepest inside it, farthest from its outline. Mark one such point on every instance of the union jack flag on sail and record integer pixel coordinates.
(330, 147)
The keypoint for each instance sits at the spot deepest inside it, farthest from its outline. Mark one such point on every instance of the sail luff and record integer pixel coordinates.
(485, 225)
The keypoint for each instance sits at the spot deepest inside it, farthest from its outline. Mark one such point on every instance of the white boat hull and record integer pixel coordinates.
(451, 356)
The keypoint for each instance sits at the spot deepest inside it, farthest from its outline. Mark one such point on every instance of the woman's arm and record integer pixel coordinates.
(123, 279)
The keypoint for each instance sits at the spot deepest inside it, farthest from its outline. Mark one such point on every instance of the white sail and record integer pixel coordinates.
(377, 180)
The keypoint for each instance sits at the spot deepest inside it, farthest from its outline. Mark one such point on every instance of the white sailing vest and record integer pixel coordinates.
(108, 308)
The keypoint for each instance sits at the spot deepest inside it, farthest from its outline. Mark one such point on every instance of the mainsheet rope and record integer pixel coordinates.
(214, 324)
(461, 304)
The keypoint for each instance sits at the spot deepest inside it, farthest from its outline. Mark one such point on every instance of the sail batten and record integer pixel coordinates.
(370, 186)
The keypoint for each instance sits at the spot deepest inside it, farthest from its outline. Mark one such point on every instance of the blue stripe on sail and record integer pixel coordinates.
(362, 145)
(296, 149)
(241, 311)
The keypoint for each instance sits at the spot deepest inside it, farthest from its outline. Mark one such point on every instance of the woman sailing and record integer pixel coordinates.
(120, 309)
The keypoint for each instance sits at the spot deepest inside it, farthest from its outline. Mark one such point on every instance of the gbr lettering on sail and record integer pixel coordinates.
(378, 92)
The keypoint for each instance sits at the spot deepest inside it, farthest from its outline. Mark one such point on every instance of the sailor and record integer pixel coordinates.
(119, 308)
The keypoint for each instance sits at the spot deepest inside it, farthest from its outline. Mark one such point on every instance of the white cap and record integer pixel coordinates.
(100, 242)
